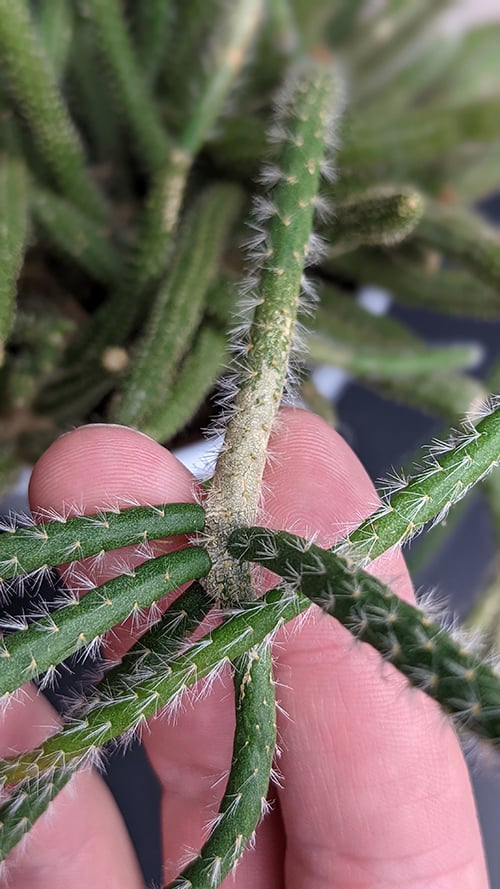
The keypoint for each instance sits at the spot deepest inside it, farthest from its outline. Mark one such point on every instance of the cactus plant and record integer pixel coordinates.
(137, 252)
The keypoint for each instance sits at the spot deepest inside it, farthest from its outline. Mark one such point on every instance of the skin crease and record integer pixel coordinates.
(375, 791)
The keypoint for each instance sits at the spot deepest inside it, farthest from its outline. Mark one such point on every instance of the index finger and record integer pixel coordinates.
(376, 790)
(99, 466)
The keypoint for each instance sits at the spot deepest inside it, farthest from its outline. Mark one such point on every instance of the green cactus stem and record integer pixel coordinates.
(381, 216)
(244, 800)
(197, 375)
(400, 152)
(370, 362)
(231, 47)
(32, 797)
(311, 18)
(66, 398)
(13, 234)
(12, 140)
(241, 26)
(475, 177)
(398, 37)
(80, 626)
(414, 82)
(24, 549)
(179, 305)
(418, 136)
(283, 27)
(421, 554)
(112, 324)
(339, 315)
(32, 81)
(456, 395)
(74, 235)
(200, 368)
(157, 225)
(92, 95)
(106, 719)
(278, 43)
(302, 129)
(466, 687)
(19, 813)
(237, 144)
(152, 22)
(56, 22)
(451, 291)
(463, 237)
(221, 300)
(36, 343)
(485, 614)
(358, 336)
(156, 646)
(451, 469)
(132, 93)
(471, 457)
(209, 43)
(391, 34)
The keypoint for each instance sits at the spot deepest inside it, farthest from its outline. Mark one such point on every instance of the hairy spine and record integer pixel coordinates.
(411, 640)
(244, 800)
(303, 119)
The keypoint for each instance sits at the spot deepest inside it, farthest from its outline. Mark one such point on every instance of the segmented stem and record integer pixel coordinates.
(106, 719)
(75, 235)
(450, 290)
(31, 798)
(303, 118)
(152, 22)
(451, 469)
(179, 305)
(132, 92)
(43, 644)
(32, 547)
(383, 215)
(13, 233)
(35, 89)
(230, 50)
(405, 636)
(244, 800)
(56, 22)
(464, 237)
(370, 362)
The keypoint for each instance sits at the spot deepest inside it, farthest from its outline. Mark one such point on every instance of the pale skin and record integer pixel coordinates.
(375, 789)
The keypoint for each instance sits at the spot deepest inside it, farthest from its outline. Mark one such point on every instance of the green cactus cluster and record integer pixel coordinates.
(139, 146)
(132, 138)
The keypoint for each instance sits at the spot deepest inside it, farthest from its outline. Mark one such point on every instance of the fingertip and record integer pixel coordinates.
(314, 479)
(316, 486)
(308, 459)
(85, 468)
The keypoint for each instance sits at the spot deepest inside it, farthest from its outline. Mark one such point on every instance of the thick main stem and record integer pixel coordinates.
(234, 494)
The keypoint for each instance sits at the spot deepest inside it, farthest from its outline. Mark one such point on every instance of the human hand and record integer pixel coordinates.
(375, 789)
